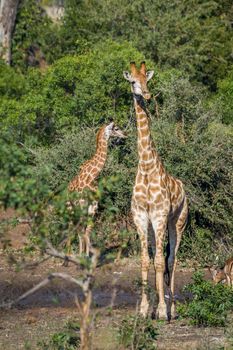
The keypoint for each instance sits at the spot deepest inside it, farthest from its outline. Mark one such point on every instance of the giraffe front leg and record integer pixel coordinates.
(80, 238)
(141, 222)
(160, 226)
(87, 239)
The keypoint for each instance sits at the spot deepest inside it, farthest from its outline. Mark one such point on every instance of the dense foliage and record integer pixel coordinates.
(195, 36)
(210, 305)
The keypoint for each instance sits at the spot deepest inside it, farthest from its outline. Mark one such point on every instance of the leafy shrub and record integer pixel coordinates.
(75, 91)
(196, 37)
(12, 83)
(19, 187)
(138, 333)
(210, 303)
(193, 241)
(68, 339)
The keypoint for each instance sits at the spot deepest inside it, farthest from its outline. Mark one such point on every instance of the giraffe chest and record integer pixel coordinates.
(150, 192)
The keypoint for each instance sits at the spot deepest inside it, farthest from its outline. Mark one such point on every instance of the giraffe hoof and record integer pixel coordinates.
(174, 314)
(144, 310)
(161, 312)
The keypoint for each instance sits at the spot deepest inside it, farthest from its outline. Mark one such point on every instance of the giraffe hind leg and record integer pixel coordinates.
(175, 230)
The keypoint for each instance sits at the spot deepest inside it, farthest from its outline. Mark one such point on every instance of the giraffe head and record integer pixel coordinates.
(112, 130)
(218, 275)
(138, 79)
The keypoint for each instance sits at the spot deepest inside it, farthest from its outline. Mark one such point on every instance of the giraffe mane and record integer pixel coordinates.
(99, 134)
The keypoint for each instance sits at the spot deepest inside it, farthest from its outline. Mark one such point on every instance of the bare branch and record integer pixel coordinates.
(34, 264)
(50, 250)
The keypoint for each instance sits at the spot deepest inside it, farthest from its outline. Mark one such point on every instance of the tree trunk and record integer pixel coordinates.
(8, 11)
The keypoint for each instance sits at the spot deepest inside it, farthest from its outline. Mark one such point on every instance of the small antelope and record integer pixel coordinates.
(225, 274)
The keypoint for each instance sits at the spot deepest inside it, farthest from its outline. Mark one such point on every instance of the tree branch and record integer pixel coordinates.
(50, 250)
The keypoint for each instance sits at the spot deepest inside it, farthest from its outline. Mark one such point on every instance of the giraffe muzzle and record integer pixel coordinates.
(147, 96)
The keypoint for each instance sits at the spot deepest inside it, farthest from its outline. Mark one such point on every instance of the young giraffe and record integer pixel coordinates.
(89, 172)
(158, 198)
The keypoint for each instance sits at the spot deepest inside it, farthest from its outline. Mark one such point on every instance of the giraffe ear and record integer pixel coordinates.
(109, 129)
(111, 125)
(149, 74)
(127, 76)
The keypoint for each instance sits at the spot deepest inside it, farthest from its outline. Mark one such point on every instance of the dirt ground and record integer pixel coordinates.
(42, 314)
(45, 312)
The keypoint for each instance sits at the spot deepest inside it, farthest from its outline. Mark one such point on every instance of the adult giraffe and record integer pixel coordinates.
(158, 198)
(88, 174)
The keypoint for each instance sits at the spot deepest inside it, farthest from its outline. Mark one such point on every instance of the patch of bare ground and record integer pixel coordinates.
(179, 335)
(116, 294)
(16, 235)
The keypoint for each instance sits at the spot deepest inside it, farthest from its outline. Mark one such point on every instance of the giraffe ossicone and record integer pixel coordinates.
(88, 174)
(158, 199)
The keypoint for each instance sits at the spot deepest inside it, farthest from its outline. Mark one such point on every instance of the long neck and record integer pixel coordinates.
(148, 157)
(101, 153)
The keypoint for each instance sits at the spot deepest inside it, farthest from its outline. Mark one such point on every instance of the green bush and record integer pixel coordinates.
(138, 333)
(19, 186)
(69, 339)
(192, 243)
(12, 83)
(210, 304)
(196, 37)
(78, 90)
